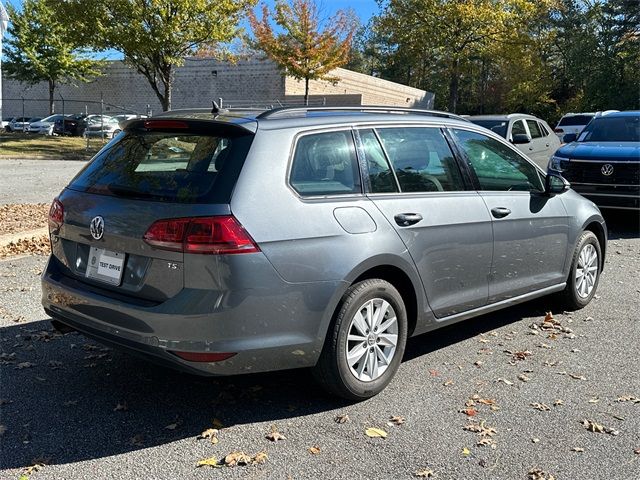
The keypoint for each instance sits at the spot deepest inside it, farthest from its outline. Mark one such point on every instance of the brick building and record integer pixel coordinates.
(252, 82)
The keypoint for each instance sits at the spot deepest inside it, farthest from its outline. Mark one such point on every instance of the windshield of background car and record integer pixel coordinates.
(497, 126)
(612, 129)
(174, 167)
(574, 120)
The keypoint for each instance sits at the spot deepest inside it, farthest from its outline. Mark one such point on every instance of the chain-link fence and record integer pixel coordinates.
(39, 107)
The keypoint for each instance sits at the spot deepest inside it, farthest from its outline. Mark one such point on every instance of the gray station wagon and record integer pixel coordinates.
(234, 242)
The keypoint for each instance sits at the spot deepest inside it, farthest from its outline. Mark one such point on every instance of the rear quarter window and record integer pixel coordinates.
(325, 164)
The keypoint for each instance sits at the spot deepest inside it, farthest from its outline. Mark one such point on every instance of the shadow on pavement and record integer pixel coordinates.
(622, 223)
(61, 405)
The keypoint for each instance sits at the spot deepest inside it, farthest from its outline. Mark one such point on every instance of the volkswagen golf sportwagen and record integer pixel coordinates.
(233, 242)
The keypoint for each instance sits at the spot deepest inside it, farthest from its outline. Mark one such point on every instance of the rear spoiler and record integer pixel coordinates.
(228, 125)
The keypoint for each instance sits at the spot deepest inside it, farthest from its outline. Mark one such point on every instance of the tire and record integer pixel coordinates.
(576, 294)
(333, 371)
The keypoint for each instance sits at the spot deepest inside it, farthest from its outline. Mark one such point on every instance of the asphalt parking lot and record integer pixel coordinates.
(490, 398)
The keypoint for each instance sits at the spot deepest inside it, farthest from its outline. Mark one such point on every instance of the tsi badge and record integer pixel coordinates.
(96, 228)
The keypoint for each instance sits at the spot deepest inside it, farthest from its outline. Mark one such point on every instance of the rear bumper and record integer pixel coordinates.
(278, 327)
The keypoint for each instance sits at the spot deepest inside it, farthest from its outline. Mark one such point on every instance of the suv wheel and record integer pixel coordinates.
(585, 272)
(366, 343)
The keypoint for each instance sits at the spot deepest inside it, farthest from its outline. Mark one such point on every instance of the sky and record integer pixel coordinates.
(365, 9)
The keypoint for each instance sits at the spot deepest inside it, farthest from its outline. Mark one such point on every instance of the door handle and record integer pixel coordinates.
(500, 212)
(406, 219)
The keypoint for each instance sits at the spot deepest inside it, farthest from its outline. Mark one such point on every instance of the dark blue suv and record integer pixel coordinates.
(603, 161)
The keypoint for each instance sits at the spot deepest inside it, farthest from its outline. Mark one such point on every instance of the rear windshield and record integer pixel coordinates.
(498, 126)
(172, 167)
(575, 120)
(612, 129)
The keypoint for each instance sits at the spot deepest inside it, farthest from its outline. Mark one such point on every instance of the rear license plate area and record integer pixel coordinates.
(105, 266)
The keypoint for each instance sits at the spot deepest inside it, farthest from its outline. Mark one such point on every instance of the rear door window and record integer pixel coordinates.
(421, 159)
(325, 164)
(518, 128)
(534, 129)
(173, 167)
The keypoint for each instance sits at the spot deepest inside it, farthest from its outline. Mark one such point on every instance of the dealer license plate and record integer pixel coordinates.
(105, 266)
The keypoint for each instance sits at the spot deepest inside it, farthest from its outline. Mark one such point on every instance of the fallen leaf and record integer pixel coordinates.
(485, 441)
(481, 429)
(237, 458)
(523, 377)
(24, 365)
(209, 462)
(70, 403)
(33, 468)
(470, 412)
(375, 433)
(628, 398)
(504, 380)
(466, 451)
(260, 458)
(342, 418)
(543, 407)
(577, 449)
(558, 402)
(274, 435)
(314, 450)
(535, 440)
(637, 451)
(424, 473)
(211, 434)
(121, 407)
(447, 383)
(478, 363)
(433, 372)
(396, 420)
(171, 426)
(538, 474)
(598, 428)
(594, 400)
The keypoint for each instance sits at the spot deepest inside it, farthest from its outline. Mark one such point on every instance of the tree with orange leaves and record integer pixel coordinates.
(303, 50)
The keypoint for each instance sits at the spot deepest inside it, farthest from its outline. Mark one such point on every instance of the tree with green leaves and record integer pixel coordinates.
(451, 33)
(155, 36)
(304, 50)
(38, 48)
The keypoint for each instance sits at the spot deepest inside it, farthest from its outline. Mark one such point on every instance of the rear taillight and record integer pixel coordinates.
(56, 214)
(222, 235)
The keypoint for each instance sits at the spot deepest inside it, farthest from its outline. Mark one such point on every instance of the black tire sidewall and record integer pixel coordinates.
(368, 290)
(578, 301)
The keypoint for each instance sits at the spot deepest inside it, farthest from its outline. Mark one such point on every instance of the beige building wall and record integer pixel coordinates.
(251, 82)
(374, 91)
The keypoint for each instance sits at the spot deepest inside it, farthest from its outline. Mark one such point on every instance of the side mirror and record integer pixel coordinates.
(520, 138)
(569, 137)
(555, 184)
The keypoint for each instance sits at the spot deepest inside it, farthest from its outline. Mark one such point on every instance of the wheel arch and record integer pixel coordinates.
(596, 226)
(399, 273)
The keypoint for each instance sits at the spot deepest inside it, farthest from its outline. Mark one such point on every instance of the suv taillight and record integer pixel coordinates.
(56, 214)
(221, 235)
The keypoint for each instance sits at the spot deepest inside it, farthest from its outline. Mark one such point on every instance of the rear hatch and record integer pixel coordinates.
(109, 227)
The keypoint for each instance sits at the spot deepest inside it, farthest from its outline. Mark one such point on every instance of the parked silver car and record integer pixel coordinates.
(531, 135)
(225, 243)
(45, 126)
(101, 126)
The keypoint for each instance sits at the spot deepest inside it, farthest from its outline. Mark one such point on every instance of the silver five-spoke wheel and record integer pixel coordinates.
(372, 339)
(586, 270)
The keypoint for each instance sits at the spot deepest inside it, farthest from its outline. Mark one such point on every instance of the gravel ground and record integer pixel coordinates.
(34, 181)
(61, 410)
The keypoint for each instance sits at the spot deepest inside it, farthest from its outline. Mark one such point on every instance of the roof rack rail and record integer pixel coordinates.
(284, 111)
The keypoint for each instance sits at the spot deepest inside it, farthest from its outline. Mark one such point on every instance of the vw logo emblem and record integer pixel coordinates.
(97, 227)
(607, 169)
